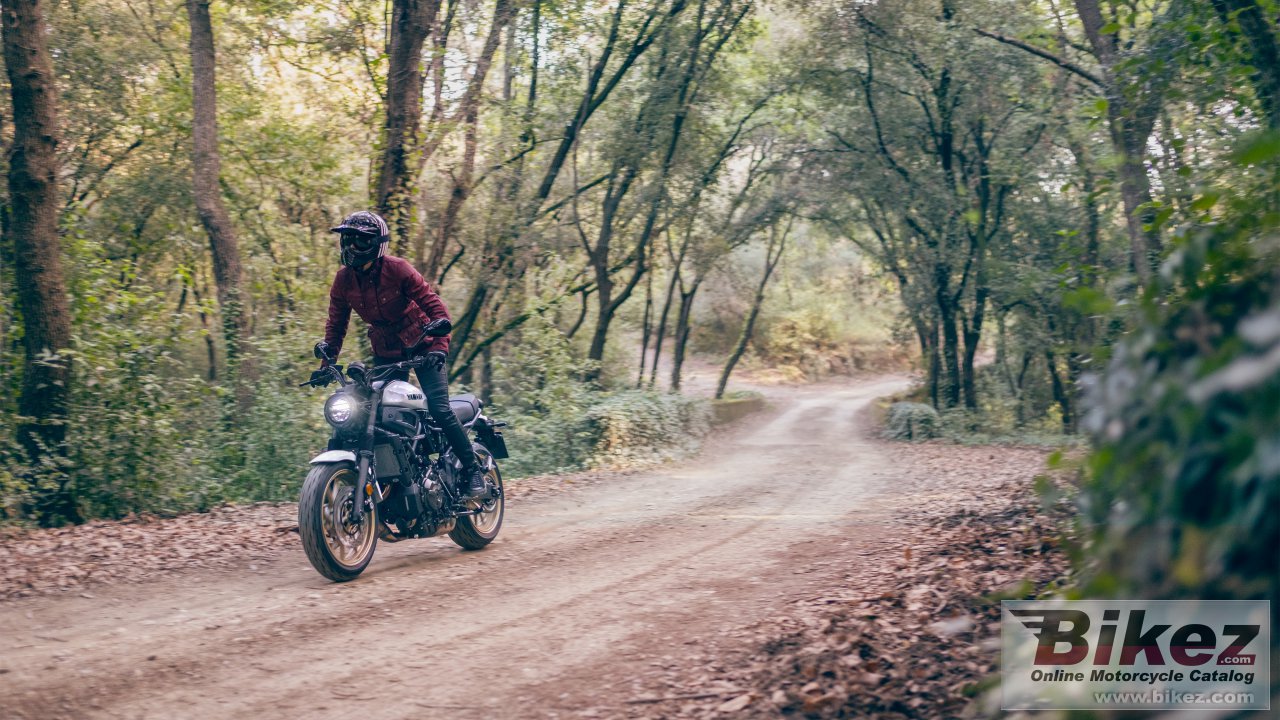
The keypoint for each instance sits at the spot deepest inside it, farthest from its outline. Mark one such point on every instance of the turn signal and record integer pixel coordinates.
(368, 489)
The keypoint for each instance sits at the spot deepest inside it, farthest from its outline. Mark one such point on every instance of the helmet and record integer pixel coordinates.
(362, 238)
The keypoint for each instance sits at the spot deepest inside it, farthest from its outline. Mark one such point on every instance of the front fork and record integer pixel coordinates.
(364, 467)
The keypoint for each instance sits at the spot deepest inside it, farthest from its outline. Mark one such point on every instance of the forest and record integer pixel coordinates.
(1063, 213)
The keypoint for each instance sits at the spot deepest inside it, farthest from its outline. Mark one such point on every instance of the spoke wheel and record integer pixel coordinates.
(338, 548)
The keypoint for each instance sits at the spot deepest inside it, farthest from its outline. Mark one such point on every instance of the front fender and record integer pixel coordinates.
(329, 456)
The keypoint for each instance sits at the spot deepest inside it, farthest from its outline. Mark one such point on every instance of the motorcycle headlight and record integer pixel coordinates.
(341, 410)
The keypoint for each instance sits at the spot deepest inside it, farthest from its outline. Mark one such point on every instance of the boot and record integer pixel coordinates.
(474, 485)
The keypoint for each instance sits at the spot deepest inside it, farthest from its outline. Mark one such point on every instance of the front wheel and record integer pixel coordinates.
(337, 548)
(475, 531)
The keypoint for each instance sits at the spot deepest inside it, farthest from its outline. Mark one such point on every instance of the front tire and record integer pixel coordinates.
(336, 548)
(473, 532)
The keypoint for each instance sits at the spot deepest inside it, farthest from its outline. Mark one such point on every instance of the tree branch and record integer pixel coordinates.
(1045, 54)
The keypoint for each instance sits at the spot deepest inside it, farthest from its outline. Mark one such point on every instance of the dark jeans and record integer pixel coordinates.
(435, 385)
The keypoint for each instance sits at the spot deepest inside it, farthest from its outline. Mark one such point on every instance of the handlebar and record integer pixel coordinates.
(383, 370)
(358, 373)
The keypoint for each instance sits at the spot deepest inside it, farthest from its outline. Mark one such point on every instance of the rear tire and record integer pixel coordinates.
(336, 549)
(473, 532)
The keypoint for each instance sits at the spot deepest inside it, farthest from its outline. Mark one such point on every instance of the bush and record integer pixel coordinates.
(538, 390)
(1182, 488)
(137, 428)
(638, 427)
(145, 435)
(911, 421)
(558, 422)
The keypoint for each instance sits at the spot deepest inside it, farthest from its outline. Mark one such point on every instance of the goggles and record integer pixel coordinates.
(359, 241)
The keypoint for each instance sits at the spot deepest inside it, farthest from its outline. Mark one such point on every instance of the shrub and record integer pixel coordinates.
(1182, 488)
(538, 390)
(637, 427)
(558, 422)
(911, 421)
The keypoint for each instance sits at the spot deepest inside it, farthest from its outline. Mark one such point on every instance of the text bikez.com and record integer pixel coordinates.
(1135, 653)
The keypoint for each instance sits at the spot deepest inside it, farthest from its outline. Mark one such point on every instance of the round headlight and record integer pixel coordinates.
(339, 409)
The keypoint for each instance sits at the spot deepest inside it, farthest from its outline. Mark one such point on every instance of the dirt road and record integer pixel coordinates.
(586, 595)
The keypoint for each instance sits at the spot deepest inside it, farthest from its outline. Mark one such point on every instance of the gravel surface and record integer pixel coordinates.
(79, 558)
(744, 581)
(908, 628)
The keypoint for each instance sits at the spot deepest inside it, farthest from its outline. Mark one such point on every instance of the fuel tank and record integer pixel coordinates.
(398, 393)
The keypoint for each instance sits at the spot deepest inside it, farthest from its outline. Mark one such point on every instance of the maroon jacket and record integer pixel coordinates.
(393, 298)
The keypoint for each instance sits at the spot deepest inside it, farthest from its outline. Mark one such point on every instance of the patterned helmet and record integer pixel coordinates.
(362, 237)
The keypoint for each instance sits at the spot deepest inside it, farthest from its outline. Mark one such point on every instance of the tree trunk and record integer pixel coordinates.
(599, 256)
(485, 386)
(950, 340)
(210, 348)
(684, 321)
(597, 90)
(470, 112)
(582, 316)
(935, 362)
(1130, 121)
(677, 266)
(972, 339)
(1022, 385)
(1060, 393)
(1075, 368)
(646, 325)
(205, 173)
(37, 249)
(411, 22)
(1002, 353)
(1260, 36)
(777, 245)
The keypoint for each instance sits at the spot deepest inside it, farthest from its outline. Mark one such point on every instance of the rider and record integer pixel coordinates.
(389, 293)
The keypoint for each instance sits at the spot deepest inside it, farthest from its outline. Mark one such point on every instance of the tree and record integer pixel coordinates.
(411, 21)
(1132, 110)
(469, 115)
(37, 248)
(679, 76)
(206, 172)
(772, 256)
(1134, 73)
(1260, 36)
(944, 147)
(498, 263)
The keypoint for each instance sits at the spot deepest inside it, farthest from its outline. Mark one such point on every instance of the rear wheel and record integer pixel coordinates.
(473, 532)
(337, 548)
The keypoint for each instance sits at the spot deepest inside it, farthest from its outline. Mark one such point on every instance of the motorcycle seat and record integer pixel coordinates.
(466, 407)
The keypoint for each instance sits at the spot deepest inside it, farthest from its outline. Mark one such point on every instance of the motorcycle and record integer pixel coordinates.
(378, 479)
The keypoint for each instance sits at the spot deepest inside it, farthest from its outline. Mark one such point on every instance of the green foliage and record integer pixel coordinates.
(911, 421)
(145, 436)
(558, 422)
(542, 396)
(1183, 486)
(826, 313)
(129, 447)
(284, 429)
(635, 428)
